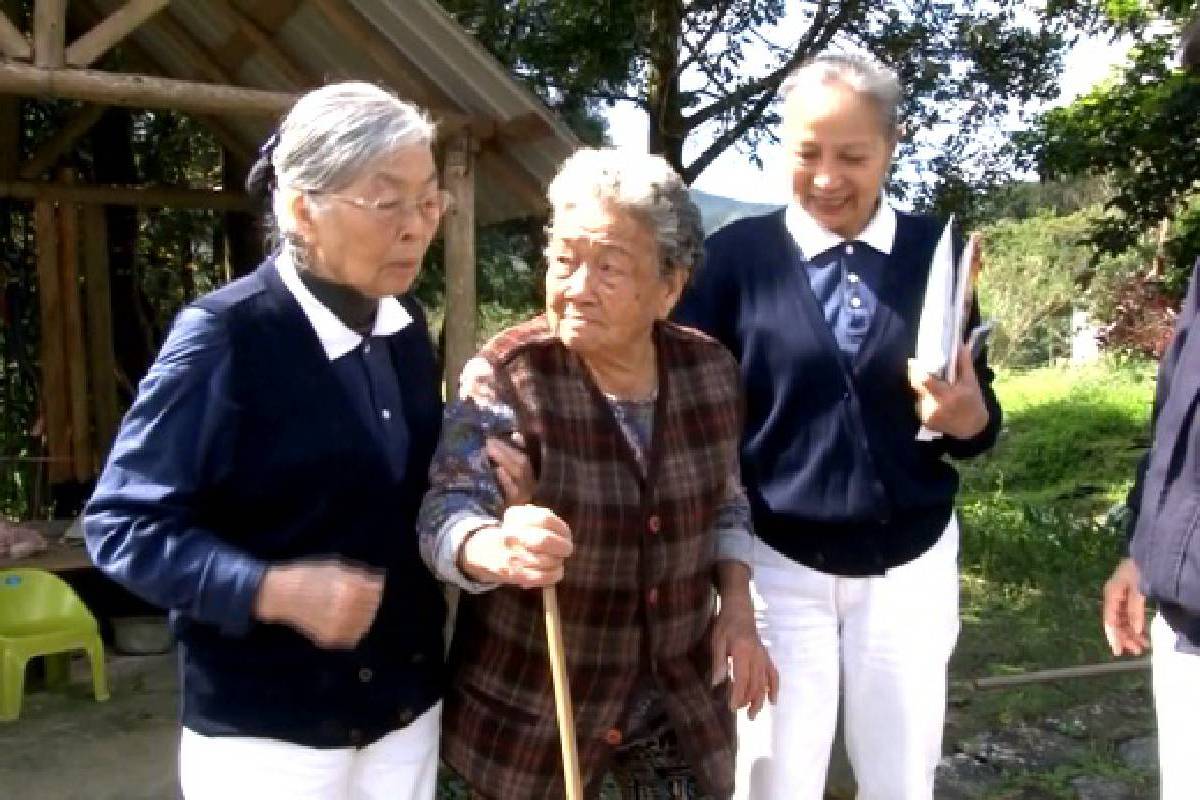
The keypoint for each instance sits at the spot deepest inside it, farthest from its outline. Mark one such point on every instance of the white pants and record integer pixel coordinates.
(400, 766)
(1177, 705)
(886, 640)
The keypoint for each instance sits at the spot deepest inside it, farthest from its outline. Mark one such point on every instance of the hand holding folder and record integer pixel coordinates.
(949, 293)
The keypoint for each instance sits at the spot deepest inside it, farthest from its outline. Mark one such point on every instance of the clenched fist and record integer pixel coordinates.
(331, 603)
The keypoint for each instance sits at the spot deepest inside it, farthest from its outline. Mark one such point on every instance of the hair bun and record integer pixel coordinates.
(260, 181)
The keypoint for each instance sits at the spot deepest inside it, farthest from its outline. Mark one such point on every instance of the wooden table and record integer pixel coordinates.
(59, 557)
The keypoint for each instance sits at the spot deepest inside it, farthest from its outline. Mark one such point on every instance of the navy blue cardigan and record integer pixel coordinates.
(244, 448)
(1166, 497)
(835, 476)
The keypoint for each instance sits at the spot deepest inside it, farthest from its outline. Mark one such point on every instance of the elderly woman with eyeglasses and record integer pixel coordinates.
(637, 514)
(265, 485)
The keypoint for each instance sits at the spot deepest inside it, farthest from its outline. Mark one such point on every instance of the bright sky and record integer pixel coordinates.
(732, 174)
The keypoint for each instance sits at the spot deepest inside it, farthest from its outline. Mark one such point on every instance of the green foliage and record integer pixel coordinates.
(1039, 536)
(1140, 130)
(695, 67)
(1036, 271)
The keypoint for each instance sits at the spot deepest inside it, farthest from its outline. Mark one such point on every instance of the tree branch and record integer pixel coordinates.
(819, 34)
(702, 45)
(735, 132)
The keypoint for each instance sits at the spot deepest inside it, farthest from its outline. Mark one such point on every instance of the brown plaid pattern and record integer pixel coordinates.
(638, 591)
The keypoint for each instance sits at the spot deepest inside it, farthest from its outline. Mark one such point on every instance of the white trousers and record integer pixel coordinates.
(400, 766)
(885, 642)
(1177, 706)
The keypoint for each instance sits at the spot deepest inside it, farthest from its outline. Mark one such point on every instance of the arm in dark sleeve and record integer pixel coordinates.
(985, 439)
(140, 524)
(1162, 389)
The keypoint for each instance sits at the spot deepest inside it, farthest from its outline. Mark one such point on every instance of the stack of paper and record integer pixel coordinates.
(944, 316)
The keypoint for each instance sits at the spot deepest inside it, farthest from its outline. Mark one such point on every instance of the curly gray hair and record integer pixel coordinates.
(864, 75)
(644, 185)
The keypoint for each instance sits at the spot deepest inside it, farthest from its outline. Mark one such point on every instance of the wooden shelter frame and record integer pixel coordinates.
(78, 365)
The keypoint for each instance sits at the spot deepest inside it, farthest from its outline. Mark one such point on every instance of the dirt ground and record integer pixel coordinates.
(66, 746)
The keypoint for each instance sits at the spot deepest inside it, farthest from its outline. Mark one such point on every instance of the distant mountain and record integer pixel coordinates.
(717, 212)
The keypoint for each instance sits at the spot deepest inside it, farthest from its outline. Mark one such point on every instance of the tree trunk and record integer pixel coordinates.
(112, 137)
(667, 133)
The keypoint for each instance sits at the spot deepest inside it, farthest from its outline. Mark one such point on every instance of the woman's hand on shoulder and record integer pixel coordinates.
(529, 548)
(955, 409)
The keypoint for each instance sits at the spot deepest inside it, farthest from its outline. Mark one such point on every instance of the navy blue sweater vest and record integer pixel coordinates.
(308, 480)
(835, 476)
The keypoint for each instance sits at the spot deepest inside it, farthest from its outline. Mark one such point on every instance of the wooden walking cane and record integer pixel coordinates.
(562, 695)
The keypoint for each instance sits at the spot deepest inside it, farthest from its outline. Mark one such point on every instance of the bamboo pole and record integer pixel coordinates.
(140, 196)
(1060, 674)
(13, 43)
(85, 50)
(55, 382)
(562, 695)
(49, 28)
(458, 228)
(102, 358)
(74, 351)
(140, 91)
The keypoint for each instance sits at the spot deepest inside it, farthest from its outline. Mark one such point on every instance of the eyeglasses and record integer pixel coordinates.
(429, 207)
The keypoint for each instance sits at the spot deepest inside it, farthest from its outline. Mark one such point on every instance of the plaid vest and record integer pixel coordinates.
(638, 592)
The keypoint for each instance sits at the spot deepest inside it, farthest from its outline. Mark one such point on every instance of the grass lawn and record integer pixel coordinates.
(1040, 536)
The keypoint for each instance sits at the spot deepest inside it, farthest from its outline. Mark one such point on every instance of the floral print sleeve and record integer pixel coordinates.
(464, 494)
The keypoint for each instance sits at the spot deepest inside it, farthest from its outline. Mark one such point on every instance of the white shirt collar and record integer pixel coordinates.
(336, 337)
(813, 239)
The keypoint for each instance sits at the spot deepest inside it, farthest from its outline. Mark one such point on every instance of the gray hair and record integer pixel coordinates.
(864, 75)
(642, 184)
(333, 134)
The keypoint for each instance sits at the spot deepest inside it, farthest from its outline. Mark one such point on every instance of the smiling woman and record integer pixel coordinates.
(858, 536)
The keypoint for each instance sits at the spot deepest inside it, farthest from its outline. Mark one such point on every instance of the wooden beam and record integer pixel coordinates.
(55, 412)
(102, 358)
(139, 196)
(10, 127)
(85, 50)
(13, 43)
(61, 142)
(139, 60)
(73, 348)
(140, 91)
(49, 28)
(458, 228)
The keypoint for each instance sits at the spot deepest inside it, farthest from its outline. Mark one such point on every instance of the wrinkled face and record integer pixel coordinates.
(372, 234)
(840, 155)
(604, 286)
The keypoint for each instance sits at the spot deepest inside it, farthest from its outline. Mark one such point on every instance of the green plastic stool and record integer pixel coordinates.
(40, 615)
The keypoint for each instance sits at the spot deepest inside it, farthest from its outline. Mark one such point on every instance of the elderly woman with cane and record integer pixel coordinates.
(265, 485)
(637, 514)
(855, 567)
